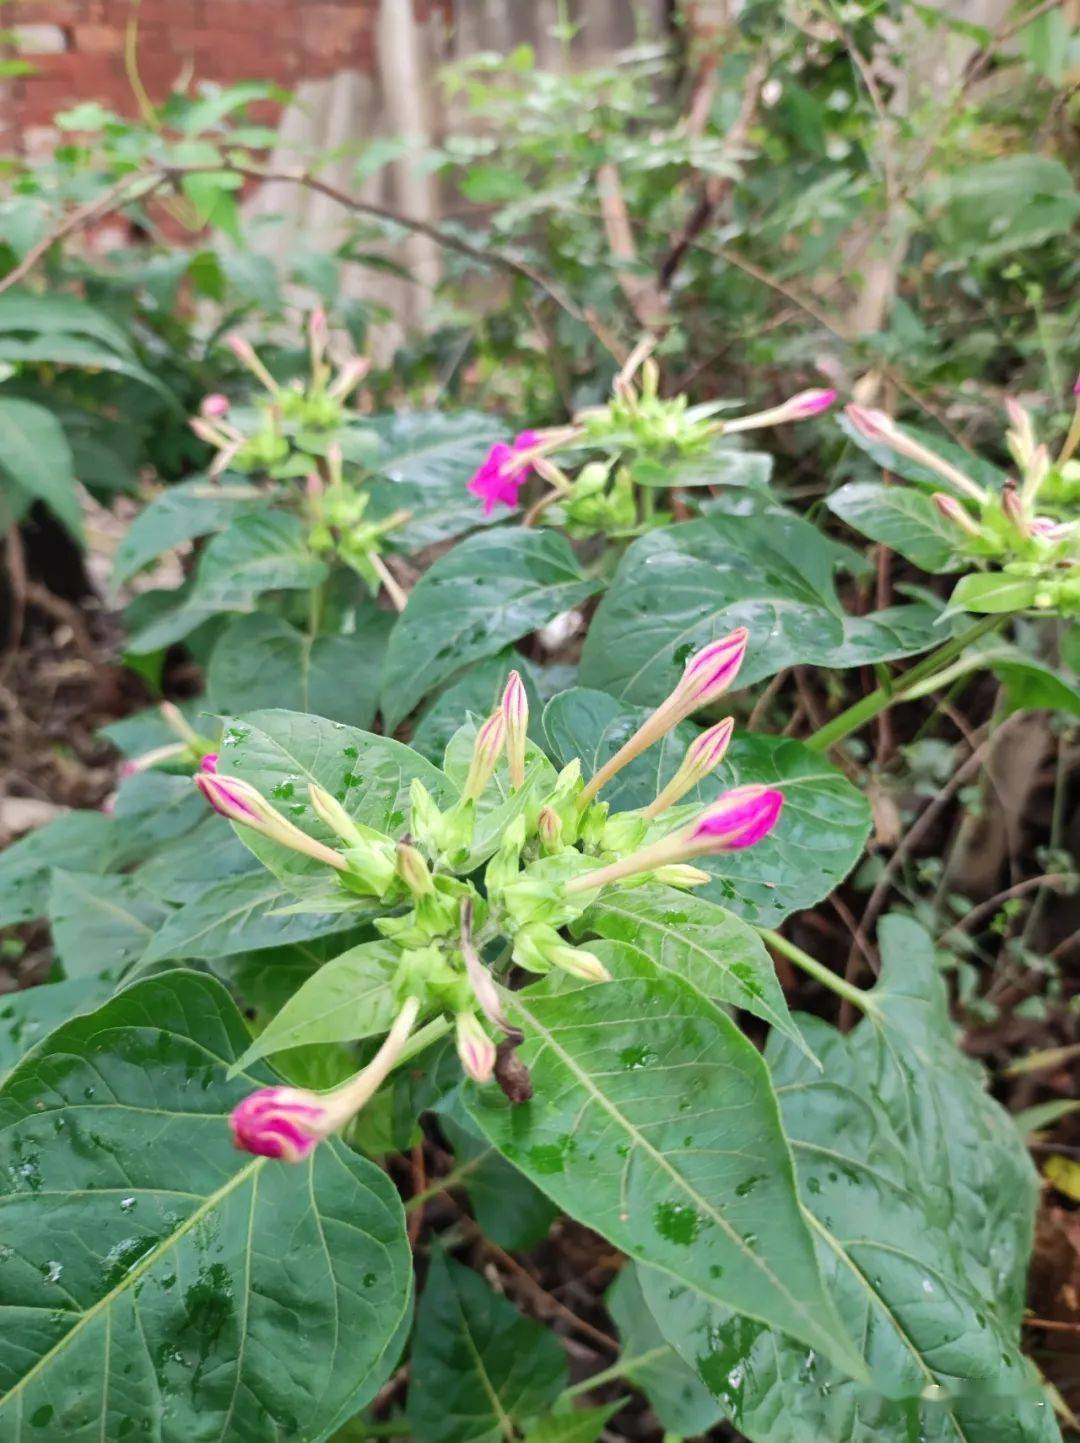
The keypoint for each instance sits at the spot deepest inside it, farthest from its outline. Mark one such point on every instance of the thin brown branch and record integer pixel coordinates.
(641, 291)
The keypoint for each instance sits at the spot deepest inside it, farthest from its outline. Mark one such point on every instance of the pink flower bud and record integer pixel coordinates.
(245, 353)
(503, 474)
(795, 408)
(710, 673)
(474, 1047)
(281, 1122)
(549, 827)
(1076, 386)
(287, 1122)
(1013, 508)
(952, 511)
(348, 378)
(214, 406)
(702, 755)
(810, 403)
(1047, 529)
(515, 710)
(129, 768)
(313, 486)
(487, 748)
(318, 328)
(240, 802)
(707, 675)
(876, 426)
(208, 763)
(740, 818)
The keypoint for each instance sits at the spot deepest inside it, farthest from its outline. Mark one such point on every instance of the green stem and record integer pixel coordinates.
(810, 965)
(886, 696)
(617, 1370)
(444, 1184)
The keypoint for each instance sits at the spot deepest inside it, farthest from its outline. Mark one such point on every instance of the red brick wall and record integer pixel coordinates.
(77, 49)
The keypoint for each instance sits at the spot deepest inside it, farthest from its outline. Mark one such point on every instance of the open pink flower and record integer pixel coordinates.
(502, 475)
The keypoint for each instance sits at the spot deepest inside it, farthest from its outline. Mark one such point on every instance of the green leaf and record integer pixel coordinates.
(705, 944)
(723, 467)
(512, 1213)
(180, 513)
(78, 841)
(484, 594)
(28, 1016)
(240, 914)
(653, 1121)
(283, 752)
(478, 1365)
(424, 463)
(993, 591)
(346, 999)
(259, 552)
(922, 1199)
(680, 588)
(151, 1271)
(1002, 205)
(101, 924)
(262, 661)
(903, 518)
(36, 457)
(818, 839)
(583, 1425)
(182, 869)
(67, 314)
(680, 1400)
(58, 349)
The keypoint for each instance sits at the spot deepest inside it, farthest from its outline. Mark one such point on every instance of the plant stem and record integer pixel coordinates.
(617, 1370)
(855, 995)
(885, 696)
(445, 1183)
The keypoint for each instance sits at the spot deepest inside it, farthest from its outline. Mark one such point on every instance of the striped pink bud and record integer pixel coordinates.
(740, 818)
(1013, 508)
(240, 802)
(487, 749)
(474, 1047)
(703, 754)
(281, 1122)
(953, 511)
(208, 762)
(795, 408)
(549, 829)
(515, 710)
(246, 354)
(288, 1122)
(214, 406)
(877, 426)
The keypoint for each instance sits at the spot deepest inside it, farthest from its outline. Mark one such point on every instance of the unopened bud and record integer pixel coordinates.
(1037, 471)
(348, 378)
(487, 749)
(681, 874)
(241, 803)
(707, 675)
(877, 426)
(214, 406)
(208, 762)
(288, 1122)
(538, 948)
(413, 870)
(1014, 509)
(330, 812)
(245, 353)
(515, 711)
(958, 514)
(549, 828)
(795, 408)
(704, 753)
(475, 1048)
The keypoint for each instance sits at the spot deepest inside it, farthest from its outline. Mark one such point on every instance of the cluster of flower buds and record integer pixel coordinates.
(637, 423)
(264, 438)
(336, 525)
(557, 848)
(1002, 527)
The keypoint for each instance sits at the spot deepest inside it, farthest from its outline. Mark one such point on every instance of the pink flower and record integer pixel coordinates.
(740, 818)
(214, 406)
(208, 762)
(501, 477)
(282, 1122)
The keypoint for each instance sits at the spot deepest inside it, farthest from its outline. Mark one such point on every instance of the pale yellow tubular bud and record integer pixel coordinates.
(175, 720)
(330, 811)
(486, 752)
(413, 871)
(515, 710)
(957, 513)
(549, 827)
(1037, 472)
(680, 874)
(703, 755)
(240, 802)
